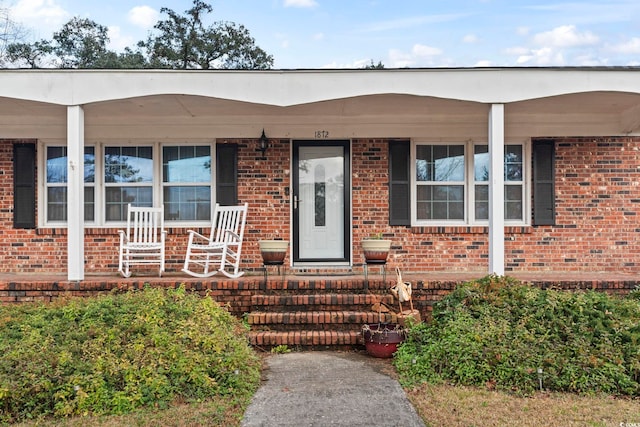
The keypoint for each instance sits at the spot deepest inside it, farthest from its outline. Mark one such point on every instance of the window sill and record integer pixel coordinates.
(448, 229)
(110, 231)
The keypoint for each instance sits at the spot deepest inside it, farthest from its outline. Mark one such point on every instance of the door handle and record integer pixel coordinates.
(295, 202)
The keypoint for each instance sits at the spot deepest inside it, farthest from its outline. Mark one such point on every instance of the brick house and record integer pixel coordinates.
(408, 153)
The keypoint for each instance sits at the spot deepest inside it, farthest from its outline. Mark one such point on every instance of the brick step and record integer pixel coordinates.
(319, 319)
(297, 284)
(307, 340)
(328, 302)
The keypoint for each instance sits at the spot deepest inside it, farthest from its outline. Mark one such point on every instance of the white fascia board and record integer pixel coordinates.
(286, 88)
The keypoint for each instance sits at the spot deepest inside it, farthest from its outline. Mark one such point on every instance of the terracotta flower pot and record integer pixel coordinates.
(382, 340)
(273, 251)
(376, 250)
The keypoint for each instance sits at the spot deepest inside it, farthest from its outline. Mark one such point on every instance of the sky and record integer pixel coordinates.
(314, 34)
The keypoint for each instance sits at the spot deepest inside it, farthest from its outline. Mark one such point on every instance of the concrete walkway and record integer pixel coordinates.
(330, 389)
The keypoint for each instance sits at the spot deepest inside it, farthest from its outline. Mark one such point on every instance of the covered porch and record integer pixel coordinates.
(78, 108)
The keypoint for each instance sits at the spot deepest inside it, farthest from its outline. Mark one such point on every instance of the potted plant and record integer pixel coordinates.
(382, 339)
(376, 249)
(274, 251)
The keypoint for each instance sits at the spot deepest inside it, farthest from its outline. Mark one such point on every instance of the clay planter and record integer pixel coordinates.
(376, 250)
(382, 340)
(273, 251)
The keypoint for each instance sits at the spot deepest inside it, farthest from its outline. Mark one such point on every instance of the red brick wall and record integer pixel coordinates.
(597, 203)
(597, 211)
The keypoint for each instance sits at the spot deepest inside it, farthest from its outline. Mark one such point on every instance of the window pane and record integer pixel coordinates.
(482, 202)
(481, 163)
(128, 164)
(513, 202)
(89, 164)
(186, 164)
(513, 163)
(441, 202)
(187, 203)
(452, 166)
(424, 202)
(56, 204)
(117, 199)
(440, 162)
(424, 163)
(89, 204)
(56, 164)
(449, 163)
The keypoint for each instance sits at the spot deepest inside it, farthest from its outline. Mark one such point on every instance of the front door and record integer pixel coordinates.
(321, 208)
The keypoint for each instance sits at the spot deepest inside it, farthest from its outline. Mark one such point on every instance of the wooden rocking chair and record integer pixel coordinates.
(143, 241)
(222, 248)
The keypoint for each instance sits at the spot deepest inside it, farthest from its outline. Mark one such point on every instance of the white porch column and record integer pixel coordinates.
(496, 189)
(75, 193)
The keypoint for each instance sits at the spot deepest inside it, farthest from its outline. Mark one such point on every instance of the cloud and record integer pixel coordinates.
(420, 55)
(470, 38)
(414, 21)
(560, 46)
(565, 36)
(143, 16)
(545, 56)
(44, 15)
(422, 50)
(300, 3)
(358, 63)
(630, 47)
(118, 41)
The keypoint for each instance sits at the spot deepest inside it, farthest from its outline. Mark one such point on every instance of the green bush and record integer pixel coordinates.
(112, 354)
(497, 332)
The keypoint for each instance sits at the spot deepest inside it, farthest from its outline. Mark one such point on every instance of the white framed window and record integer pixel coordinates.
(177, 175)
(55, 193)
(450, 183)
(186, 182)
(128, 174)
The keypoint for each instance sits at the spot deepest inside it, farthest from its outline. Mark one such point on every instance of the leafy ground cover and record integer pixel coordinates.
(498, 334)
(114, 354)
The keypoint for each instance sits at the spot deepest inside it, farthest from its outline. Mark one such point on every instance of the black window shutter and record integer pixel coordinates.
(399, 183)
(227, 174)
(24, 186)
(544, 210)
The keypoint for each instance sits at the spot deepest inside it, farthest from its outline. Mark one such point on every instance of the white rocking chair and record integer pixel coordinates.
(222, 248)
(143, 241)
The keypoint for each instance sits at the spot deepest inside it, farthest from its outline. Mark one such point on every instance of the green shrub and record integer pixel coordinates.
(112, 354)
(496, 332)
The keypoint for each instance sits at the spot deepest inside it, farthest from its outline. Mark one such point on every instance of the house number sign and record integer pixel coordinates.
(321, 134)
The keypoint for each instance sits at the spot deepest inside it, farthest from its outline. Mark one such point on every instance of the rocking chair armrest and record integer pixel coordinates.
(195, 235)
(123, 236)
(236, 236)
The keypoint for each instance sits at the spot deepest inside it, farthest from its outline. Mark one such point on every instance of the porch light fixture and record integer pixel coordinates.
(263, 143)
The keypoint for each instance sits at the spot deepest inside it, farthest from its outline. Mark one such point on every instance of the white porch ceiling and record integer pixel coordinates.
(411, 112)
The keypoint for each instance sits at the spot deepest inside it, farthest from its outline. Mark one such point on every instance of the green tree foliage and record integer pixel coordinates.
(81, 43)
(496, 332)
(33, 54)
(184, 42)
(373, 66)
(181, 42)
